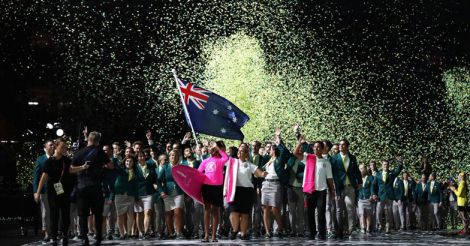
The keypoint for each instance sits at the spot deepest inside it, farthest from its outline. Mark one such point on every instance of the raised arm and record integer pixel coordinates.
(223, 157)
(398, 169)
(298, 149)
(185, 143)
(152, 143)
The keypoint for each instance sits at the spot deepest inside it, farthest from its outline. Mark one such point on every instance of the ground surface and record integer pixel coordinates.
(404, 238)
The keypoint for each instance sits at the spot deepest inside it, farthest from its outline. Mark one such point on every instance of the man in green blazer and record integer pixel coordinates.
(408, 190)
(422, 204)
(259, 161)
(331, 223)
(383, 183)
(397, 207)
(435, 201)
(348, 180)
(49, 148)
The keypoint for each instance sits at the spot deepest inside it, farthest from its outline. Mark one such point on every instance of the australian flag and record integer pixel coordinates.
(210, 113)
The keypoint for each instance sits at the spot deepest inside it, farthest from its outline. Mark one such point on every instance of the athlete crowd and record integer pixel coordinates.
(318, 189)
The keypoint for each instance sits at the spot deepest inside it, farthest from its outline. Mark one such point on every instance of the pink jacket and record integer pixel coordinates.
(213, 168)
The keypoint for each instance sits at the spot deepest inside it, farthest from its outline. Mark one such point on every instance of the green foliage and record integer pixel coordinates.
(457, 83)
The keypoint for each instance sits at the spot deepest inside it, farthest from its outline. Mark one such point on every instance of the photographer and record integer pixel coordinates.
(90, 163)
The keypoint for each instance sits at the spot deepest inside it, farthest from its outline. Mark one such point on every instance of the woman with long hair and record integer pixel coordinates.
(462, 202)
(238, 179)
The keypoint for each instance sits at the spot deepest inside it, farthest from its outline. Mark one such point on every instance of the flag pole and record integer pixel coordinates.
(184, 105)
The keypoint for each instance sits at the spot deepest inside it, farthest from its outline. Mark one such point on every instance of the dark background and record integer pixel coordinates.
(40, 58)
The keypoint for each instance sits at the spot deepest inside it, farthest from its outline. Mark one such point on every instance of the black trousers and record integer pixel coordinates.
(316, 201)
(90, 199)
(59, 204)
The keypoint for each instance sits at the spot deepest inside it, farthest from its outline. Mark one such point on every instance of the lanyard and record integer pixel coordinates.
(63, 169)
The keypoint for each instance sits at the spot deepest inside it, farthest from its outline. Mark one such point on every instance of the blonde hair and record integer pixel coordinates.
(94, 137)
(176, 153)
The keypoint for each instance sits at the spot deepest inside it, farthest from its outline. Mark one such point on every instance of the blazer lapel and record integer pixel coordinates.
(339, 160)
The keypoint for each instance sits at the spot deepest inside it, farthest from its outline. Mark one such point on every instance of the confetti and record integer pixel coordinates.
(390, 76)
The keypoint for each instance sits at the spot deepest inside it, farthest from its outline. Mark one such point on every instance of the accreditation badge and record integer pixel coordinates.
(58, 188)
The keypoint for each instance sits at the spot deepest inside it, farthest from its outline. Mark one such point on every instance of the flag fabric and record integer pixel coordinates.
(210, 113)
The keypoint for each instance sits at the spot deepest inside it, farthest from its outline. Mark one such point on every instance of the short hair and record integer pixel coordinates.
(140, 153)
(94, 137)
(385, 160)
(59, 140)
(138, 143)
(328, 143)
(257, 143)
(147, 151)
(320, 143)
(160, 157)
(345, 140)
(116, 143)
(47, 141)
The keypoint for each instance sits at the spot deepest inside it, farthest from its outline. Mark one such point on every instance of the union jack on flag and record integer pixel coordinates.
(209, 113)
(196, 94)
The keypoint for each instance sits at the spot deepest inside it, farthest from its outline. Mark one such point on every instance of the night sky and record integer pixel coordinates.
(106, 64)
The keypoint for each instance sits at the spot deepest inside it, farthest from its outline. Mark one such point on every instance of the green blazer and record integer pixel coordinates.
(166, 183)
(37, 173)
(436, 195)
(145, 185)
(122, 185)
(399, 190)
(295, 174)
(411, 190)
(366, 190)
(385, 189)
(420, 196)
(280, 163)
(339, 173)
